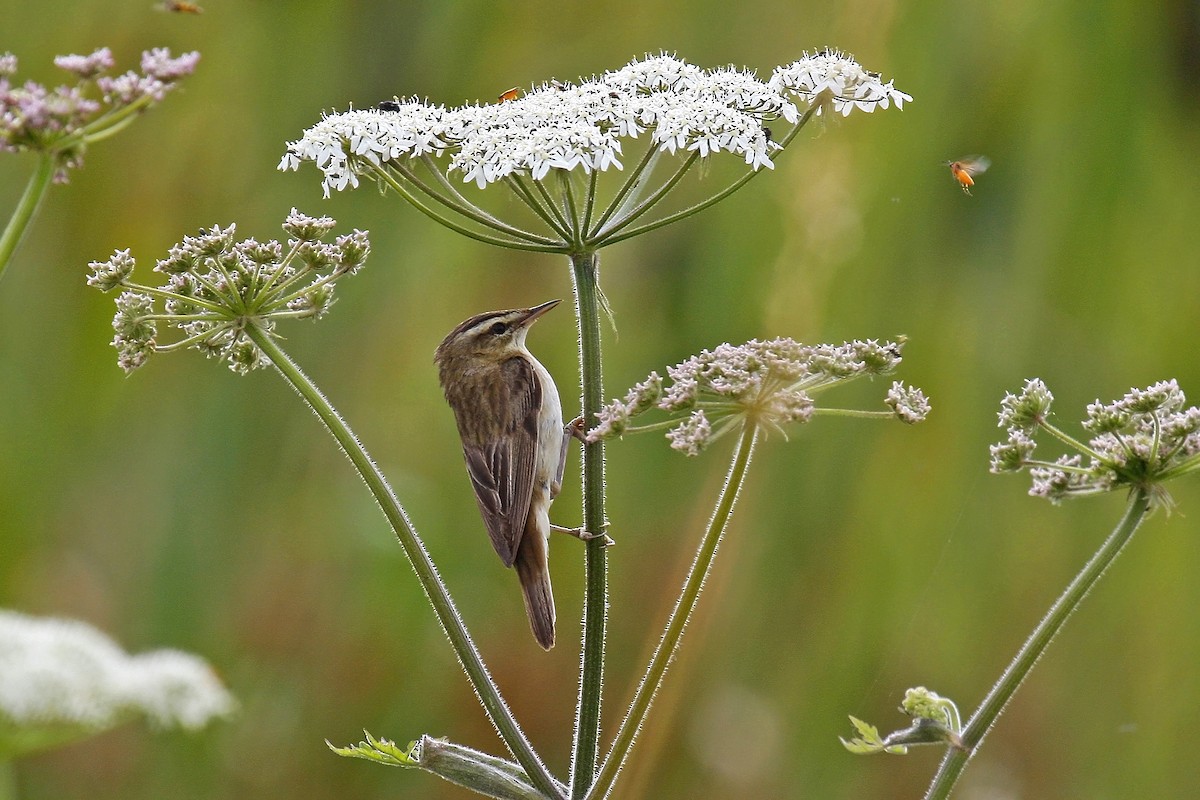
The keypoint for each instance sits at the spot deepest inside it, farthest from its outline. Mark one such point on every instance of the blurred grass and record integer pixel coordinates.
(187, 507)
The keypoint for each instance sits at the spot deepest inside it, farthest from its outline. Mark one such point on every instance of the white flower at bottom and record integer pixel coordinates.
(62, 672)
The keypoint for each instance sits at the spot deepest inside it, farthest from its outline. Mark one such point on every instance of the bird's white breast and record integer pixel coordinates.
(550, 430)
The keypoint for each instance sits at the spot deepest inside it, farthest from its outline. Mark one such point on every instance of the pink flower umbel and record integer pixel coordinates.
(768, 384)
(64, 120)
(217, 287)
(1140, 441)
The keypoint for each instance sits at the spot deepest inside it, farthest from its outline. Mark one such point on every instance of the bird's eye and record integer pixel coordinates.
(499, 328)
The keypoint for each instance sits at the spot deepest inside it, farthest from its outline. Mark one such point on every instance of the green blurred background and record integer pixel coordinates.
(187, 507)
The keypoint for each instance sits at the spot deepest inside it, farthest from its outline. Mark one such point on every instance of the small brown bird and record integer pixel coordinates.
(509, 94)
(514, 442)
(964, 170)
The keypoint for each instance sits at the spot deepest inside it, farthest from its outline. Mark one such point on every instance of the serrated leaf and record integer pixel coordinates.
(869, 741)
(381, 751)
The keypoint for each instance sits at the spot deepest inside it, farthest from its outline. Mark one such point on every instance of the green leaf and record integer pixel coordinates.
(485, 774)
(381, 751)
(869, 741)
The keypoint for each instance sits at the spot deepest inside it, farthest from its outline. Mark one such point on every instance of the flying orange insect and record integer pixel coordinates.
(181, 7)
(511, 94)
(965, 169)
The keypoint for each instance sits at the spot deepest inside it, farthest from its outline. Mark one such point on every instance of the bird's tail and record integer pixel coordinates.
(533, 568)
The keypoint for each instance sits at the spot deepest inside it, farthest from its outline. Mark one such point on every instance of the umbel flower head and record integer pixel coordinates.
(549, 144)
(769, 384)
(1138, 442)
(61, 679)
(62, 121)
(218, 288)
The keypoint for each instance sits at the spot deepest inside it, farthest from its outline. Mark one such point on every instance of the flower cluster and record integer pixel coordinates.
(831, 79)
(1139, 441)
(568, 126)
(768, 384)
(218, 289)
(63, 120)
(60, 672)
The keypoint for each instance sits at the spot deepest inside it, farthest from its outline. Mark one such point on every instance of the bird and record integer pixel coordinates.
(510, 421)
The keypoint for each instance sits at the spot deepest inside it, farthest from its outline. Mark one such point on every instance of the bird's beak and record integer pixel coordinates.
(531, 314)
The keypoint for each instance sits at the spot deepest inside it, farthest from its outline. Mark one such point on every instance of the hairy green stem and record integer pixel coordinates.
(439, 597)
(684, 606)
(26, 209)
(586, 273)
(993, 705)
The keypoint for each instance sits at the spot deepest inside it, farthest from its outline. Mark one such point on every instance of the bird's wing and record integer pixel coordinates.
(502, 468)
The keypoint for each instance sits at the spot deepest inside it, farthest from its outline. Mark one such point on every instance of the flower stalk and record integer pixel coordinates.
(585, 269)
(26, 210)
(680, 614)
(997, 699)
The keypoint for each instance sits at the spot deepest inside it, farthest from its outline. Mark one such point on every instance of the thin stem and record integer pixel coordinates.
(458, 203)
(618, 200)
(485, 217)
(439, 596)
(546, 213)
(513, 244)
(857, 413)
(107, 124)
(993, 705)
(607, 238)
(219, 309)
(26, 209)
(564, 182)
(1181, 468)
(678, 620)
(590, 202)
(585, 268)
(1070, 441)
(564, 224)
(183, 344)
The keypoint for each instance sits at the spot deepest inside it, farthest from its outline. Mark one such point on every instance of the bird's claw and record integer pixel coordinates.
(586, 536)
(577, 428)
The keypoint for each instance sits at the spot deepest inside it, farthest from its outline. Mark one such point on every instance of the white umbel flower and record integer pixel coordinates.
(62, 672)
(581, 126)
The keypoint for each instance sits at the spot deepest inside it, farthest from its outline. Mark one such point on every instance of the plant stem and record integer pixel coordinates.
(678, 620)
(586, 269)
(612, 236)
(439, 597)
(386, 177)
(993, 705)
(26, 209)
